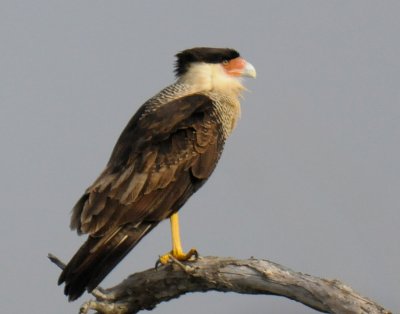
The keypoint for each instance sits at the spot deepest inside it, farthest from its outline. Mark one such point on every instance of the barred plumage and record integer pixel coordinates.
(166, 153)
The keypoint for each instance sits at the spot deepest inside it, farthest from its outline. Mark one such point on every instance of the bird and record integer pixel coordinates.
(167, 151)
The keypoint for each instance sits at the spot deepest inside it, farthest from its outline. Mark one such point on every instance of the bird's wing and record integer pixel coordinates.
(161, 158)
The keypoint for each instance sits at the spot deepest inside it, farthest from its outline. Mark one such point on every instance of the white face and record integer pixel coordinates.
(223, 77)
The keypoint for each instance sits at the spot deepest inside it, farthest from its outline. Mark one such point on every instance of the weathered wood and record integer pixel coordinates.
(145, 290)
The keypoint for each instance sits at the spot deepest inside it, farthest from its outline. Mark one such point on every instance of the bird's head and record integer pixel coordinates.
(213, 68)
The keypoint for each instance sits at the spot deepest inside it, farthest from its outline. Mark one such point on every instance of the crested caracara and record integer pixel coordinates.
(166, 153)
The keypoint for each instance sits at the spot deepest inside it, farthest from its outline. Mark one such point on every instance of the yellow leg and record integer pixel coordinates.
(175, 235)
(177, 251)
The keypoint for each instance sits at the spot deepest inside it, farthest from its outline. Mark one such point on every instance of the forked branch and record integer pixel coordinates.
(145, 290)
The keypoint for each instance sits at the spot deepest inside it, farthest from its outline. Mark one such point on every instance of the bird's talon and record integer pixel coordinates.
(192, 253)
(163, 259)
(179, 256)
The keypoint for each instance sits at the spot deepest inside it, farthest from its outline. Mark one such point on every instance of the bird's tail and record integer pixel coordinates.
(98, 256)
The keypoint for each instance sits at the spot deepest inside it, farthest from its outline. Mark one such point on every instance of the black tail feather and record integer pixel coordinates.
(98, 256)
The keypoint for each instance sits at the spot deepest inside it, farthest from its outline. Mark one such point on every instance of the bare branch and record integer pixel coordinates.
(145, 290)
(54, 259)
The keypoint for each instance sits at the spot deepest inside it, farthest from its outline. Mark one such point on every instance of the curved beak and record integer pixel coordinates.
(239, 67)
(249, 70)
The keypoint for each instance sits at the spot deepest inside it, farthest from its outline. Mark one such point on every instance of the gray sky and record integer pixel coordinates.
(309, 179)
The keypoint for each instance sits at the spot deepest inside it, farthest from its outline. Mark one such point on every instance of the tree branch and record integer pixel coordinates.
(144, 290)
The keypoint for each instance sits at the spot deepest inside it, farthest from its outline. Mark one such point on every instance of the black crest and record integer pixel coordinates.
(202, 54)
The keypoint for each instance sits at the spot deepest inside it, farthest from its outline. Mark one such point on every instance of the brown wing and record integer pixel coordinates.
(162, 157)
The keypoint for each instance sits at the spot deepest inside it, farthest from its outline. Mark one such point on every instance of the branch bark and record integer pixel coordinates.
(145, 290)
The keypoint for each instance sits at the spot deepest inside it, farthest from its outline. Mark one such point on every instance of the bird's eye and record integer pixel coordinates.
(225, 62)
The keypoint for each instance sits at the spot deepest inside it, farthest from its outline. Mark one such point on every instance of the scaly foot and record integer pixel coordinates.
(177, 251)
(179, 255)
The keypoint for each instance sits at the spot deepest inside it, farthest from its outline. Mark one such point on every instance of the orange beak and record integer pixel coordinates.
(239, 67)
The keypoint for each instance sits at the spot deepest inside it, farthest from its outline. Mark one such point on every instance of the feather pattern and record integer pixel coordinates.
(166, 153)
